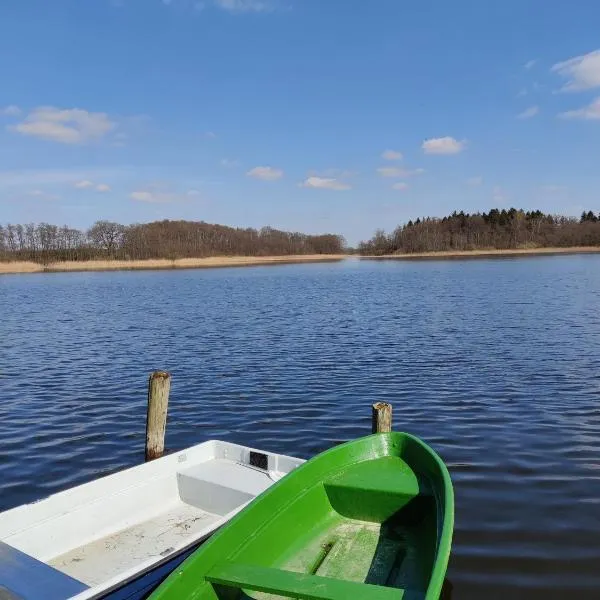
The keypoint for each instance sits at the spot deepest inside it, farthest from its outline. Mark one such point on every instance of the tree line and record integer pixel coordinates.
(496, 229)
(44, 243)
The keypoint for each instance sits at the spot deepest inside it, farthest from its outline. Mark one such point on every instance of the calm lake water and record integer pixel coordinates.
(496, 363)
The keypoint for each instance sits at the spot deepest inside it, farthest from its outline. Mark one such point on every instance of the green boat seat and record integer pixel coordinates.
(375, 490)
(296, 585)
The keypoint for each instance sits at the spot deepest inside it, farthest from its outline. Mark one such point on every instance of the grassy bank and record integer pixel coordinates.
(182, 263)
(491, 253)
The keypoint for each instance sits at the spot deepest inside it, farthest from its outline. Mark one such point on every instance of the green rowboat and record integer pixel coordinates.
(371, 519)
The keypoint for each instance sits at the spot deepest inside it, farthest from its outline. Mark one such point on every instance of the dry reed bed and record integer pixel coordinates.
(181, 263)
(489, 253)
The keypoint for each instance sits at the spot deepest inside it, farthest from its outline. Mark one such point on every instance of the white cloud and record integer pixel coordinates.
(325, 183)
(529, 112)
(398, 172)
(158, 194)
(391, 155)
(475, 181)
(581, 72)
(211, 135)
(265, 173)
(244, 6)
(143, 196)
(83, 184)
(10, 111)
(86, 184)
(391, 172)
(591, 112)
(401, 186)
(522, 92)
(530, 64)
(229, 164)
(70, 126)
(443, 145)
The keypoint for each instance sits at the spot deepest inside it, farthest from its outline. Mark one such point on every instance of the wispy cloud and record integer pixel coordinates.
(400, 186)
(591, 112)
(83, 184)
(245, 6)
(581, 72)
(325, 183)
(265, 173)
(530, 64)
(528, 113)
(398, 172)
(443, 145)
(391, 155)
(66, 126)
(475, 181)
(211, 135)
(27, 178)
(10, 111)
(234, 7)
(86, 184)
(229, 164)
(333, 172)
(162, 195)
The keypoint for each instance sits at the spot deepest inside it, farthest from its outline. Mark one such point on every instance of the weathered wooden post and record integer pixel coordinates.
(382, 417)
(156, 420)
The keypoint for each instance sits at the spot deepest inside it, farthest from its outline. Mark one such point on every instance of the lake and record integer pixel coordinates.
(495, 363)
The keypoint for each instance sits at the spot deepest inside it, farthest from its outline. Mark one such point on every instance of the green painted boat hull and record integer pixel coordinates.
(371, 519)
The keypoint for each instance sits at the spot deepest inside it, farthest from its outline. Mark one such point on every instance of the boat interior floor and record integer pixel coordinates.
(376, 532)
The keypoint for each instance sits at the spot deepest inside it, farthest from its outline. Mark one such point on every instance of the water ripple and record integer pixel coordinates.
(495, 363)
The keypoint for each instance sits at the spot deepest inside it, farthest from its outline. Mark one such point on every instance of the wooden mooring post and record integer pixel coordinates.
(159, 386)
(382, 417)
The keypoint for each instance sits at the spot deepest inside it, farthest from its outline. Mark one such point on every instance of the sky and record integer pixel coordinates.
(310, 115)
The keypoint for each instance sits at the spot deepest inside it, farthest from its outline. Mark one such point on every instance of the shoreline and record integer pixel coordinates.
(213, 262)
(492, 253)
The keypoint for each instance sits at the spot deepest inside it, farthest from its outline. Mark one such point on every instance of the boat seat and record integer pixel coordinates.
(23, 577)
(296, 585)
(389, 474)
(375, 490)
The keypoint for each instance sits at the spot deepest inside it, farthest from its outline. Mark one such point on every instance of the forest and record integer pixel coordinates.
(496, 229)
(46, 243)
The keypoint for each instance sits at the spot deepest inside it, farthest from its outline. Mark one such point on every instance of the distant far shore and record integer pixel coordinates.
(180, 263)
(491, 253)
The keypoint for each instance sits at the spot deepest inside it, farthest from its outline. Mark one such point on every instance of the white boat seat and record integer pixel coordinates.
(221, 485)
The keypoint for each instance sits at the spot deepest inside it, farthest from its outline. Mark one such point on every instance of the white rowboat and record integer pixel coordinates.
(120, 535)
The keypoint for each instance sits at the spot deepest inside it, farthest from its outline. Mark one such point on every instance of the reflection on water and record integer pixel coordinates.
(494, 363)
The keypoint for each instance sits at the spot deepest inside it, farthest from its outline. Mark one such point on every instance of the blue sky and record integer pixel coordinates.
(312, 115)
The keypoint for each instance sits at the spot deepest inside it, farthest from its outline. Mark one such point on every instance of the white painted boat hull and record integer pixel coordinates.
(98, 537)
